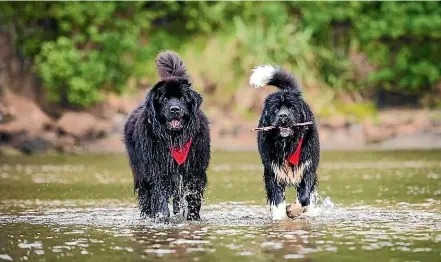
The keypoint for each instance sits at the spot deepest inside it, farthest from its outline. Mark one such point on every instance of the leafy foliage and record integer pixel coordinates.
(401, 39)
(81, 50)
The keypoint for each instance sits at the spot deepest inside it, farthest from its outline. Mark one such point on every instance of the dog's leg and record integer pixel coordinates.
(194, 197)
(275, 194)
(144, 197)
(178, 197)
(159, 204)
(194, 201)
(177, 205)
(305, 188)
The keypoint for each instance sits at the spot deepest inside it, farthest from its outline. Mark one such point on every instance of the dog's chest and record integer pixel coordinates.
(288, 173)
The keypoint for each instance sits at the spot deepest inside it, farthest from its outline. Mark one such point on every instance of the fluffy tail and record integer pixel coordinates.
(268, 75)
(170, 65)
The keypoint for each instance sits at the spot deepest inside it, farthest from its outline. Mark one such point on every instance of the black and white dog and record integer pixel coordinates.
(168, 143)
(290, 154)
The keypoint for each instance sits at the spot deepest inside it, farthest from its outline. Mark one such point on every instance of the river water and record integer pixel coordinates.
(382, 206)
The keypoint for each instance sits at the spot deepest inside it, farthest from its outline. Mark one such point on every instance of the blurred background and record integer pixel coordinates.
(70, 72)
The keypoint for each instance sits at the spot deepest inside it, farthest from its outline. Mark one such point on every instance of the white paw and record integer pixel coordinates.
(278, 212)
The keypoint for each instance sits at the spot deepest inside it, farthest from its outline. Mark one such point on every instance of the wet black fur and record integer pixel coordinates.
(276, 149)
(156, 175)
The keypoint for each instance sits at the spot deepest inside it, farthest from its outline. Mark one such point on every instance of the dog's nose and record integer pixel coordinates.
(175, 109)
(283, 115)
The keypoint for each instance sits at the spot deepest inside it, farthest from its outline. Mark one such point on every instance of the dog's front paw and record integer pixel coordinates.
(193, 217)
(278, 212)
(294, 210)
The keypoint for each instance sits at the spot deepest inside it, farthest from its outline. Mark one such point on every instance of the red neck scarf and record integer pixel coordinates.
(294, 158)
(180, 153)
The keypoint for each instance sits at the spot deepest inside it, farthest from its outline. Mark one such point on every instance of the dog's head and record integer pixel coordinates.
(282, 110)
(285, 107)
(174, 103)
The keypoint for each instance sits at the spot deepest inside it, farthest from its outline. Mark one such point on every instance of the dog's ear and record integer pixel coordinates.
(265, 119)
(151, 101)
(196, 100)
(149, 107)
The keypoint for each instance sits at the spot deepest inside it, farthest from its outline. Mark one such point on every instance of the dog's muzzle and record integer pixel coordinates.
(284, 123)
(285, 131)
(175, 116)
(175, 124)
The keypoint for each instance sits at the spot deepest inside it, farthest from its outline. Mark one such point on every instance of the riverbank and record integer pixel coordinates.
(26, 128)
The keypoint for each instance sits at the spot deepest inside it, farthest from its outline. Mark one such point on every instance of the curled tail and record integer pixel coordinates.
(170, 65)
(268, 75)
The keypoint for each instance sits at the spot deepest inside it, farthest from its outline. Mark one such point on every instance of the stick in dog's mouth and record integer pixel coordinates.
(268, 128)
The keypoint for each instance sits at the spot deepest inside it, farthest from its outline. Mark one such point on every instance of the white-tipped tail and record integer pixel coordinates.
(261, 75)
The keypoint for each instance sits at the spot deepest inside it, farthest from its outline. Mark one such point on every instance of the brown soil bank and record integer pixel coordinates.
(26, 128)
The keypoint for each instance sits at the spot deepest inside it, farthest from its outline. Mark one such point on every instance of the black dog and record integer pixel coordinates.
(290, 154)
(168, 143)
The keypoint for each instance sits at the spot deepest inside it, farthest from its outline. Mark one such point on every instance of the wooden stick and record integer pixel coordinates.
(303, 124)
(268, 128)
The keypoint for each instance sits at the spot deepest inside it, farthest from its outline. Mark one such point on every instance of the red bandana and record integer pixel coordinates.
(180, 153)
(295, 157)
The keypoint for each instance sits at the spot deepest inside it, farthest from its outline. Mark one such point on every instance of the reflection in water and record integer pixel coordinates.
(72, 209)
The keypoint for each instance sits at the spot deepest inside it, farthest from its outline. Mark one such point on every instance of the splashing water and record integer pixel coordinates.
(319, 205)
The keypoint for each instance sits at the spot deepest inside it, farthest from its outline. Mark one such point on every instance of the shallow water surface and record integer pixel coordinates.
(381, 206)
